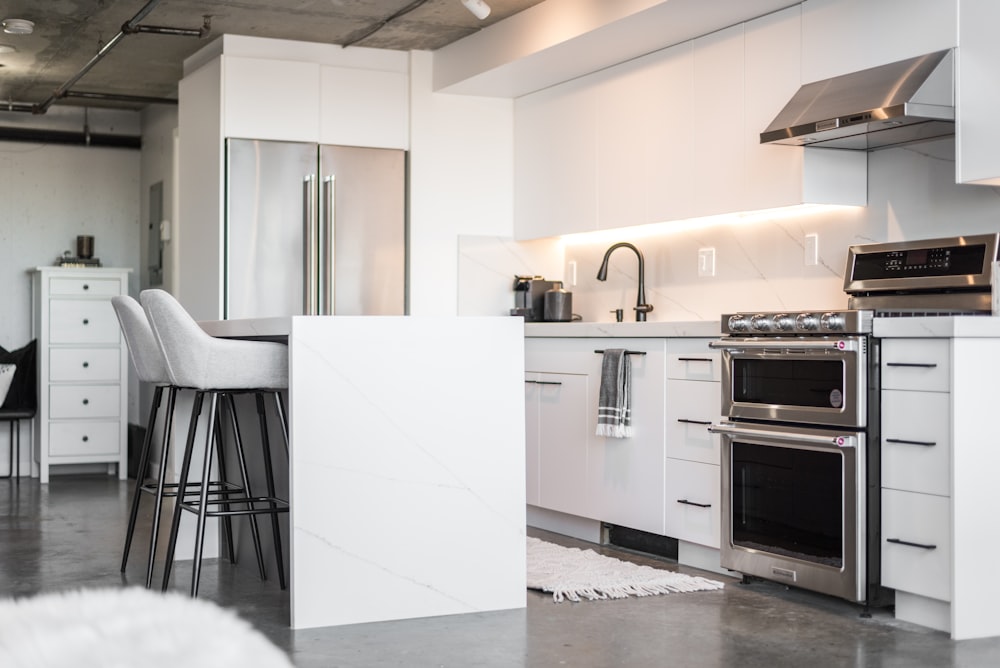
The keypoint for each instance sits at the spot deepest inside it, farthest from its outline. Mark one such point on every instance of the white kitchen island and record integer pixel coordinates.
(407, 483)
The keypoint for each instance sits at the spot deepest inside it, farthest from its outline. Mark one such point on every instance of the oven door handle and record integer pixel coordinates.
(782, 344)
(840, 440)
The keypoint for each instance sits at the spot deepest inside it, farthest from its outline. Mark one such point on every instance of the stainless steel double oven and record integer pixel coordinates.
(795, 449)
(801, 461)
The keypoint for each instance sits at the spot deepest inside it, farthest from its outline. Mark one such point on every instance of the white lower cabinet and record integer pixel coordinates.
(665, 478)
(916, 543)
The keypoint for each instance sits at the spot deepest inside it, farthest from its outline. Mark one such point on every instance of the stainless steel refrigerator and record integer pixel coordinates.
(314, 229)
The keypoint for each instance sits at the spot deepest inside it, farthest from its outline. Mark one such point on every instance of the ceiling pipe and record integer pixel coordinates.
(114, 97)
(81, 138)
(375, 27)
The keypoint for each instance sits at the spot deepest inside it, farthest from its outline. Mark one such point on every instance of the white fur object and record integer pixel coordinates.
(128, 627)
(572, 573)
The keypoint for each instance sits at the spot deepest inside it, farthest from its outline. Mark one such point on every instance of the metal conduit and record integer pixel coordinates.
(138, 99)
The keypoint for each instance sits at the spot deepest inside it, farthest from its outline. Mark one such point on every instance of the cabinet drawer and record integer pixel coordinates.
(84, 439)
(694, 366)
(916, 364)
(923, 519)
(84, 287)
(692, 406)
(83, 401)
(82, 321)
(693, 498)
(84, 364)
(916, 441)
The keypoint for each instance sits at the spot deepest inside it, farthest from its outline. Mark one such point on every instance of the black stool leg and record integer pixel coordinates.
(279, 405)
(199, 398)
(141, 475)
(269, 474)
(238, 440)
(206, 477)
(227, 521)
(158, 496)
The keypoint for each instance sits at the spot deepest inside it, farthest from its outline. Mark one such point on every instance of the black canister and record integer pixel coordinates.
(558, 305)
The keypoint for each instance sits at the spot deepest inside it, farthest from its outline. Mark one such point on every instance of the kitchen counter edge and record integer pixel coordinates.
(631, 330)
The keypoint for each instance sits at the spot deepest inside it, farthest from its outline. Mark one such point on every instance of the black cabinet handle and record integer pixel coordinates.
(627, 352)
(686, 421)
(86, 286)
(86, 321)
(86, 401)
(908, 442)
(86, 365)
(693, 503)
(917, 365)
(922, 546)
(695, 359)
(544, 382)
(86, 438)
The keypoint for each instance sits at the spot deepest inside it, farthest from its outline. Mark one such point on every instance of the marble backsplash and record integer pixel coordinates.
(759, 264)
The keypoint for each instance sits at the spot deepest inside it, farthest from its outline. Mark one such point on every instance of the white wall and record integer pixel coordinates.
(461, 182)
(52, 193)
(759, 265)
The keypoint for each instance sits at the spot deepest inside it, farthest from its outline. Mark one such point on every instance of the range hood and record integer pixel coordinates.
(900, 103)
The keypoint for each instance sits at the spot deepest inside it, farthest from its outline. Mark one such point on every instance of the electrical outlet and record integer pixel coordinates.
(706, 262)
(812, 250)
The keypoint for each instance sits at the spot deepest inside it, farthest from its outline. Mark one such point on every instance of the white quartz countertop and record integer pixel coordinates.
(973, 326)
(632, 330)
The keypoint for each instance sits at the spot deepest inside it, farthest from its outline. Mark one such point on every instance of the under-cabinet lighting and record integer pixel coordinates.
(689, 224)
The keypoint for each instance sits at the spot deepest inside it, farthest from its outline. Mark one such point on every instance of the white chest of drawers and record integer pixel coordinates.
(82, 368)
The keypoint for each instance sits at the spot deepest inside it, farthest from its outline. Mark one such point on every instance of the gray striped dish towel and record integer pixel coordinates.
(614, 408)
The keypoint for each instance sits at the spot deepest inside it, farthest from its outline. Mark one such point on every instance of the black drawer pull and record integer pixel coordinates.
(686, 421)
(86, 321)
(86, 401)
(627, 352)
(906, 442)
(86, 286)
(922, 546)
(85, 438)
(86, 365)
(927, 365)
(695, 359)
(544, 382)
(693, 503)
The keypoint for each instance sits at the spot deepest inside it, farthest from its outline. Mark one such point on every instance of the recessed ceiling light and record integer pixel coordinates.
(18, 26)
(7, 48)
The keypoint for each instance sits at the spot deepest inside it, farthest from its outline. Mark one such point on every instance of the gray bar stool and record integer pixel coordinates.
(150, 367)
(219, 368)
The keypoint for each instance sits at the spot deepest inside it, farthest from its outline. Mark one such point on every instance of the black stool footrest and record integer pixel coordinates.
(194, 488)
(221, 507)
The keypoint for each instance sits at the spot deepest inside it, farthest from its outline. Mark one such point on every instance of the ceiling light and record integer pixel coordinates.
(477, 7)
(18, 27)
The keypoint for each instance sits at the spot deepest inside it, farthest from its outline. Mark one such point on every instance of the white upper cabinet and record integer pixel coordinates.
(555, 161)
(363, 107)
(717, 122)
(270, 99)
(842, 36)
(977, 145)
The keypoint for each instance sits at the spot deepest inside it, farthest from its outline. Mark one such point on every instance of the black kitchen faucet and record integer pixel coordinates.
(641, 307)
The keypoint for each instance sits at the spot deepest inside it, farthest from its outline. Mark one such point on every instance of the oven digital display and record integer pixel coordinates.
(920, 262)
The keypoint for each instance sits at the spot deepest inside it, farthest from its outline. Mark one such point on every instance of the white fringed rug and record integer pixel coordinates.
(572, 573)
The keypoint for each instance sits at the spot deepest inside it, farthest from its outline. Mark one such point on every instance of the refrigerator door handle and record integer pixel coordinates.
(329, 213)
(310, 234)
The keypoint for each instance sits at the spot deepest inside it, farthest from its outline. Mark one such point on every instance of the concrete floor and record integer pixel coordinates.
(69, 534)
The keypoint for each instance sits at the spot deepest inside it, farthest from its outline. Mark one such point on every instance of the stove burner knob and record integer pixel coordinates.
(832, 321)
(784, 322)
(807, 321)
(738, 323)
(760, 322)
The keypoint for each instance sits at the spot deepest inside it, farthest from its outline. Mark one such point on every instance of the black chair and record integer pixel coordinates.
(22, 399)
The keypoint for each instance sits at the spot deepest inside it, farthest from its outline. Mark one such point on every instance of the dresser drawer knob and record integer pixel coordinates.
(86, 401)
(86, 286)
(86, 365)
(85, 438)
(86, 321)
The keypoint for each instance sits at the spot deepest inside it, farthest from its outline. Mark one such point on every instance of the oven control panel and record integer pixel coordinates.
(796, 323)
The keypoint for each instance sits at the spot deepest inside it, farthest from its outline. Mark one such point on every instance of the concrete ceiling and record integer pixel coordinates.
(68, 35)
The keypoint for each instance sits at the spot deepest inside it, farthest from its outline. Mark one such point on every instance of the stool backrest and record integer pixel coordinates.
(186, 347)
(147, 358)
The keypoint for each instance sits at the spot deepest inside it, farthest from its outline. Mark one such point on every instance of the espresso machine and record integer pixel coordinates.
(529, 297)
